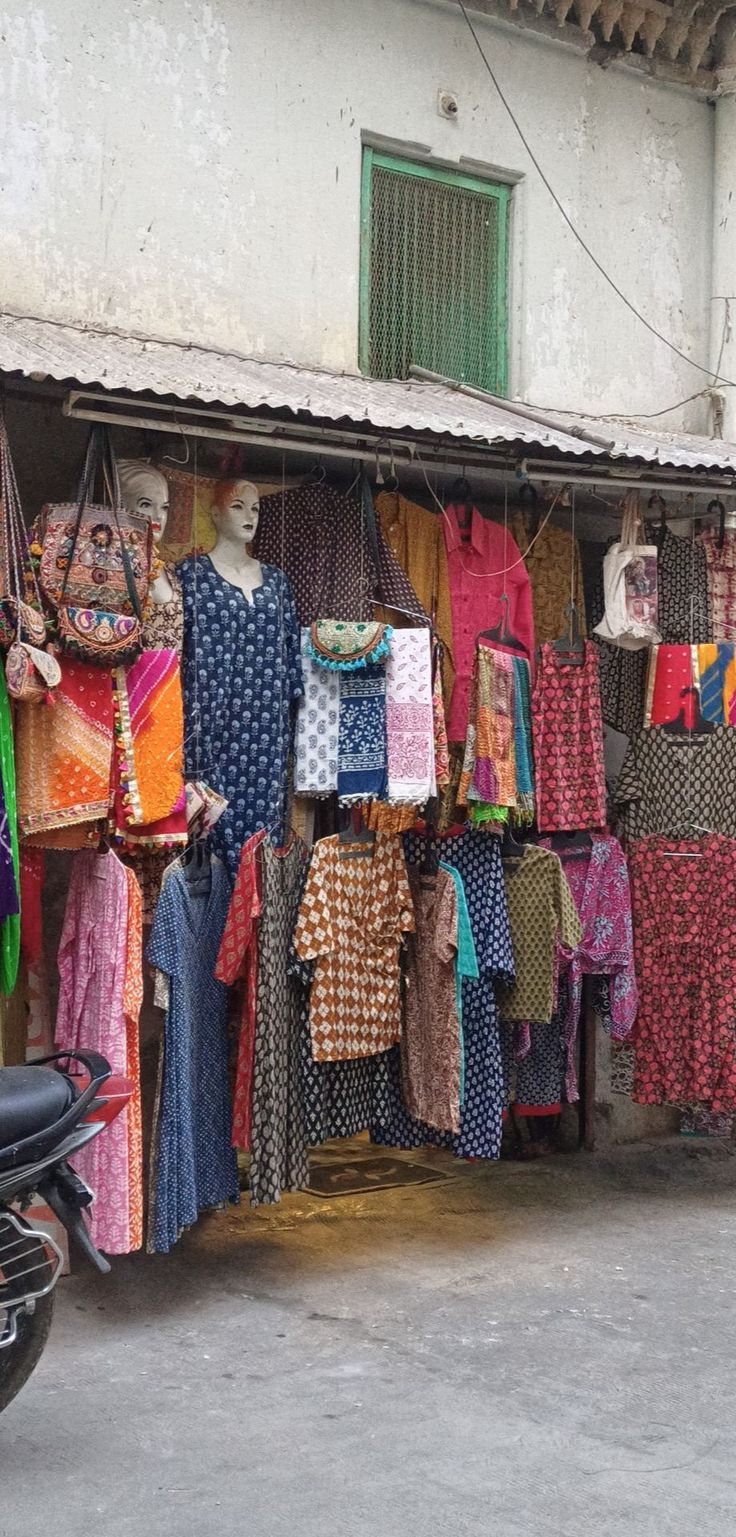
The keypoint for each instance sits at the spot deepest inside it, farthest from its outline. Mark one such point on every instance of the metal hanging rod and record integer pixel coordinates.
(371, 445)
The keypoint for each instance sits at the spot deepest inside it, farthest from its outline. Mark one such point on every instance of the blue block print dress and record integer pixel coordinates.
(241, 674)
(476, 855)
(196, 1166)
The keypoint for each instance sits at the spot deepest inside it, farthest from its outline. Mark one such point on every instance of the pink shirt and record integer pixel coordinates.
(475, 570)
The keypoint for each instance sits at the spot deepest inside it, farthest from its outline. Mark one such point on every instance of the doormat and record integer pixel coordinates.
(361, 1175)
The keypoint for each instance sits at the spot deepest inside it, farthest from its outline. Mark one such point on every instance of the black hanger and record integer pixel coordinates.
(316, 476)
(716, 505)
(511, 847)
(528, 491)
(700, 726)
(573, 844)
(570, 648)
(657, 500)
(197, 865)
(500, 633)
(355, 836)
(461, 497)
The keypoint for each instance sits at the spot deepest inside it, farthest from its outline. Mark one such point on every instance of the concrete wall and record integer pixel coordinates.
(191, 169)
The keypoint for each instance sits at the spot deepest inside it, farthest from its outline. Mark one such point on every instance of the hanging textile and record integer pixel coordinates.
(237, 960)
(684, 1043)
(476, 576)
(64, 751)
(241, 676)
(409, 719)
(149, 749)
(195, 1164)
(477, 859)
(524, 811)
(568, 743)
(355, 908)
(317, 721)
(556, 575)
(416, 538)
(466, 961)
(278, 1142)
(667, 776)
(430, 1037)
(361, 745)
(441, 746)
(683, 619)
(320, 538)
(163, 623)
(672, 677)
(721, 568)
(100, 989)
(489, 767)
(542, 915)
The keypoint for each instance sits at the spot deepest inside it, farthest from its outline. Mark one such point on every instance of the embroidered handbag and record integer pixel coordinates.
(95, 566)
(344, 645)
(630, 586)
(30, 673)
(21, 609)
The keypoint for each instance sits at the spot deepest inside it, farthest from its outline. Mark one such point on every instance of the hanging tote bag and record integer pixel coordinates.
(96, 564)
(630, 586)
(21, 609)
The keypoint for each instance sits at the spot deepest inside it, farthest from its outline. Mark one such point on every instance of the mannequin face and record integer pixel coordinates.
(146, 493)
(236, 516)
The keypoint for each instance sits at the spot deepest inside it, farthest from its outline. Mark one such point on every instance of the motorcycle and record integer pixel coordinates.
(46, 1115)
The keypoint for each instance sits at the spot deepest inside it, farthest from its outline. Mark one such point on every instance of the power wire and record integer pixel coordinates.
(717, 378)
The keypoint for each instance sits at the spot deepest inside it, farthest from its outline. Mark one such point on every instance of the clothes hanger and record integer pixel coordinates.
(460, 497)
(716, 505)
(657, 500)
(355, 839)
(316, 476)
(511, 848)
(680, 726)
(572, 845)
(570, 648)
(501, 632)
(682, 829)
(197, 866)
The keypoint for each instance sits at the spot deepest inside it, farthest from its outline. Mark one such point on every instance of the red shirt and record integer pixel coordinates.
(475, 569)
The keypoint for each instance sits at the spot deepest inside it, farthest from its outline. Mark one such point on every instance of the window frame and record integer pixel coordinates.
(500, 192)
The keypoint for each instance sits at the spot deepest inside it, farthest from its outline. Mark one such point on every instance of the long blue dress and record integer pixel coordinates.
(196, 1166)
(241, 673)
(476, 855)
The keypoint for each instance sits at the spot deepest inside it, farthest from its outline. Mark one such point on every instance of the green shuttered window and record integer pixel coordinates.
(433, 273)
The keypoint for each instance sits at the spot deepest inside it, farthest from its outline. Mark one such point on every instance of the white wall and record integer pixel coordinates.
(191, 170)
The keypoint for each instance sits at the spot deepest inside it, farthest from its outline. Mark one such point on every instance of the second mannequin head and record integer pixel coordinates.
(235, 510)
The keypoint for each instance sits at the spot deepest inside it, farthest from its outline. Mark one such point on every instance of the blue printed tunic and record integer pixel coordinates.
(241, 673)
(477, 857)
(195, 1166)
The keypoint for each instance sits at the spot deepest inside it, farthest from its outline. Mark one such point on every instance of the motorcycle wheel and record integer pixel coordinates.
(18, 1360)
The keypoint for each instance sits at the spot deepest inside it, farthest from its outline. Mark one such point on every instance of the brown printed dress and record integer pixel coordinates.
(430, 1041)
(355, 909)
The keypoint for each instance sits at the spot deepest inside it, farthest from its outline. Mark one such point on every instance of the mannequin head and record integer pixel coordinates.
(234, 511)
(145, 491)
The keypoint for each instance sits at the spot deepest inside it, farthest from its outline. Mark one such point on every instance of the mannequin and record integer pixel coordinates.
(145, 491)
(234, 512)
(241, 672)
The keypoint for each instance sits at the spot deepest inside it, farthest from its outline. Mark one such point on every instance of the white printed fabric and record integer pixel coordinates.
(409, 724)
(317, 726)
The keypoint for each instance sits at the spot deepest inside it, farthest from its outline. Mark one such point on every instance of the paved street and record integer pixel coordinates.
(546, 1350)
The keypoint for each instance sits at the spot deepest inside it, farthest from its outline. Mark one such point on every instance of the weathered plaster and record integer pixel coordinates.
(192, 170)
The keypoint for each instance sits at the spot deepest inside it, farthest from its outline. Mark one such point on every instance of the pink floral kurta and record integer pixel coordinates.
(95, 986)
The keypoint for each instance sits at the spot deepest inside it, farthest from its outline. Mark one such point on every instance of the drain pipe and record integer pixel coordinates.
(424, 375)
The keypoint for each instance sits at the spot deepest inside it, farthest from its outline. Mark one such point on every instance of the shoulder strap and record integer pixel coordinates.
(100, 454)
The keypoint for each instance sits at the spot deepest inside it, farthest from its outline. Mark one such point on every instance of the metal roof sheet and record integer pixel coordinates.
(69, 353)
(116, 362)
(655, 445)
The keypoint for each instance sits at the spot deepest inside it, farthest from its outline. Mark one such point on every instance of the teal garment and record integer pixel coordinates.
(10, 928)
(466, 961)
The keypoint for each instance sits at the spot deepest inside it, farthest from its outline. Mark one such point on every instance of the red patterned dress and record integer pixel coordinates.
(685, 1034)
(238, 958)
(567, 732)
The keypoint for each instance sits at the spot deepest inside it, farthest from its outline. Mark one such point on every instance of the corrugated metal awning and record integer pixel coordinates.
(66, 353)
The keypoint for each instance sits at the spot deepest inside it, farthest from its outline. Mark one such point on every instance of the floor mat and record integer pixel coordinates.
(360, 1175)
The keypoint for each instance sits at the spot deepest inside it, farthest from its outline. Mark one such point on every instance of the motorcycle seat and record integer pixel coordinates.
(31, 1100)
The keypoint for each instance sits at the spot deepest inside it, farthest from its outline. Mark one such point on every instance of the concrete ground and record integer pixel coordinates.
(529, 1349)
